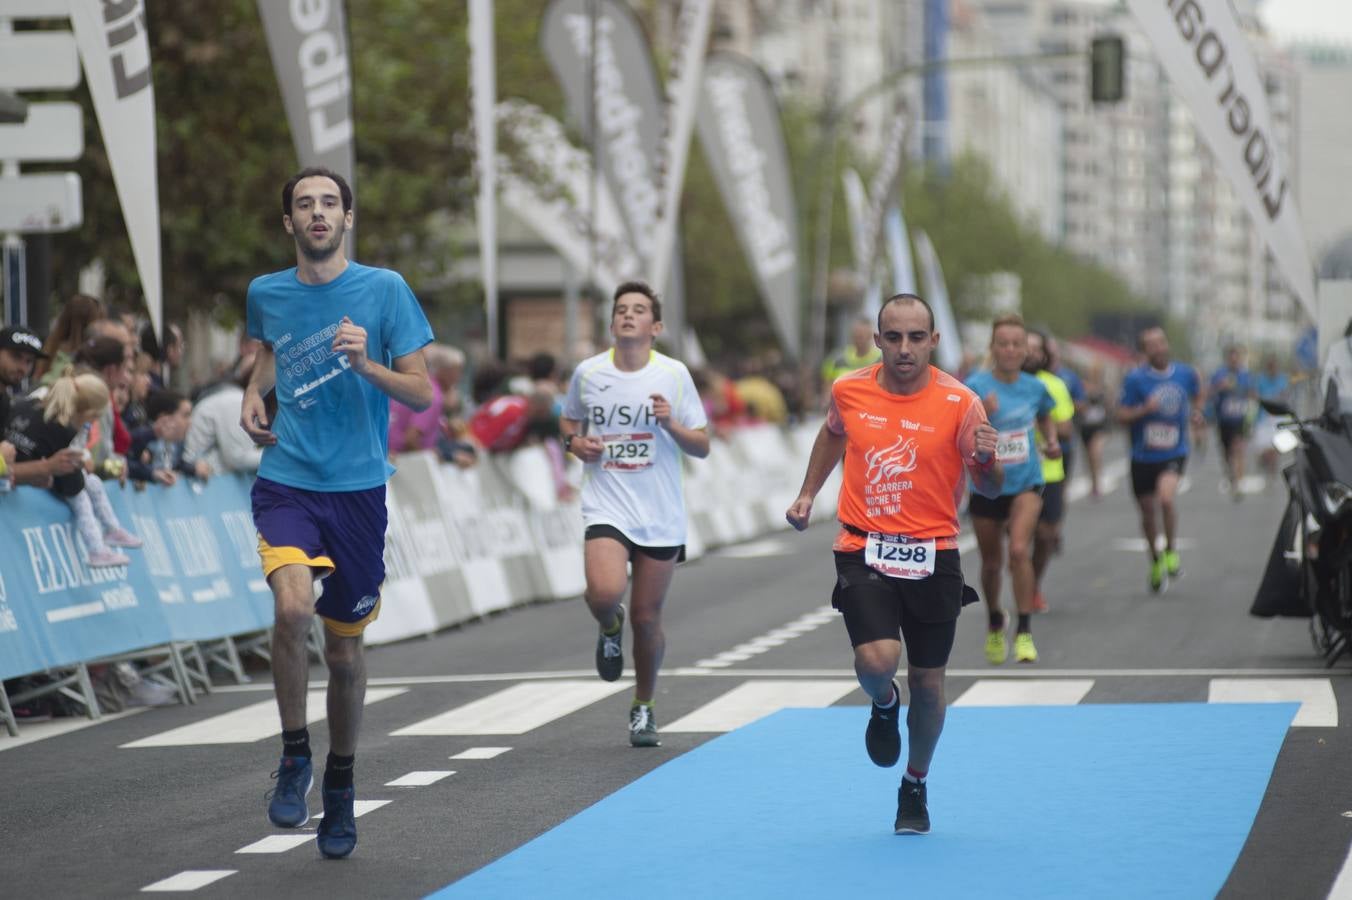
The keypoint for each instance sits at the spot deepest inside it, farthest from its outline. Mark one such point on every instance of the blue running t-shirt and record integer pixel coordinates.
(331, 424)
(1018, 407)
(1162, 435)
(1230, 390)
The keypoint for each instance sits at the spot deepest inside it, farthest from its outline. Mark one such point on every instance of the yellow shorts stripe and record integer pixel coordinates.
(275, 557)
(351, 629)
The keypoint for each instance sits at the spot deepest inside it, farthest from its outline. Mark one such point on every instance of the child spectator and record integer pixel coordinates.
(56, 428)
(157, 449)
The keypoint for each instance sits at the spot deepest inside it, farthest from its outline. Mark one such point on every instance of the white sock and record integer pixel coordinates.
(892, 703)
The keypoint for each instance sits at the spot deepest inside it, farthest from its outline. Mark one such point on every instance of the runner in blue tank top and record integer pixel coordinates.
(1016, 403)
(1232, 398)
(1159, 400)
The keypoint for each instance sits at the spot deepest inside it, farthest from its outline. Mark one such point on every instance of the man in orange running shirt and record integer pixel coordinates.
(909, 434)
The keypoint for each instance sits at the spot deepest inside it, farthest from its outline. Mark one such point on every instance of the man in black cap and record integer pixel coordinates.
(19, 350)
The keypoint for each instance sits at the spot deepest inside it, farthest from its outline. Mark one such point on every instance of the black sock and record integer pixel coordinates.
(997, 621)
(296, 743)
(338, 771)
(1025, 623)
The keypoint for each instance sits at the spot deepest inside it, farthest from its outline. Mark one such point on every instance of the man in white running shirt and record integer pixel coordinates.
(630, 414)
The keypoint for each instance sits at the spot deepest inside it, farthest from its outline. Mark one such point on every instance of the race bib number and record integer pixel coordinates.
(628, 452)
(1012, 447)
(1161, 436)
(899, 556)
(1233, 408)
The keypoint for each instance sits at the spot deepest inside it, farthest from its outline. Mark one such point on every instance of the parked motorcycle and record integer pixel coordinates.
(1309, 572)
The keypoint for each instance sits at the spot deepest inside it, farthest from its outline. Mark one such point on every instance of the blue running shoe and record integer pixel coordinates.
(286, 802)
(338, 829)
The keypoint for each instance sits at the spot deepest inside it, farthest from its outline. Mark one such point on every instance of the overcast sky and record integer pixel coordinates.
(1309, 19)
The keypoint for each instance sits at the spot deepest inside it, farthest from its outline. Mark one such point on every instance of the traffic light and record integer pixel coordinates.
(13, 109)
(1107, 63)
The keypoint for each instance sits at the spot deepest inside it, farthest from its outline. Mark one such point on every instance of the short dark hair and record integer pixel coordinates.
(905, 298)
(1140, 337)
(99, 352)
(637, 287)
(316, 172)
(163, 403)
(542, 365)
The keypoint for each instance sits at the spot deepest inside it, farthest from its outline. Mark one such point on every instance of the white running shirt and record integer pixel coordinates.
(636, 484)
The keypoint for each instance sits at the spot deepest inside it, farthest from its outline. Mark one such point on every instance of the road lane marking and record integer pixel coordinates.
(517, 709)
(1318, 706)
(419, 779)
(40, 731)
(480, 753)
(277, 843)
(191, 880)
(1033, 692)
(247, 724)
(359, 809)
(756, 699)
(805, 623)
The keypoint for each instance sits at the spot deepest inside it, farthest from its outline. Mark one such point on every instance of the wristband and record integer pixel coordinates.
(983, 465)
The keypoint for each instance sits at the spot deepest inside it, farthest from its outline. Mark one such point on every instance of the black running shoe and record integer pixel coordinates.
(643, 726)
(610, 651)
(912, 810)
(882, 738)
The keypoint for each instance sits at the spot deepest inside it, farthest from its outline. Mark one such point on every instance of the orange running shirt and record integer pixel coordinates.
(904, 456)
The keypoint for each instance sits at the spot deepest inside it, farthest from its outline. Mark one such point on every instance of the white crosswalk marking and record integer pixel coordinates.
(419, 779)
(190, 880)
(39, 731)
(517, 709)
(247, 724)
(1318, 707)
(480, 753)
(1032, 692)
(277, 843)
(753, 700)
(359, 809)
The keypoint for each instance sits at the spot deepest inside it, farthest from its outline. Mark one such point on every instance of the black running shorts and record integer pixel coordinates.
(997, 508)
(1145, 476)
(661, 554)
(923, 613)
(1231, 432)
(1053, 502)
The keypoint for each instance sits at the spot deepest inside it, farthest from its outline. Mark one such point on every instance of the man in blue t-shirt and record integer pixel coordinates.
(339, 341)
(1232, 395)
(1159, 400)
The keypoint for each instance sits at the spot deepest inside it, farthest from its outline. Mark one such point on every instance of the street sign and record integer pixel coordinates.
(41, 203)
(53, 132)
(34, 9)
(39, 60)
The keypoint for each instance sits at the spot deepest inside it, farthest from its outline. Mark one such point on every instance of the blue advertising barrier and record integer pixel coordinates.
(196, 578)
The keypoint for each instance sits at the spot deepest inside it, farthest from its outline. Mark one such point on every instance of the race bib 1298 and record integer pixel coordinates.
(899, 556)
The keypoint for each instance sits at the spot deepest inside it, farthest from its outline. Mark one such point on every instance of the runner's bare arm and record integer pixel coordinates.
(1050, 438)
(692, 441)
(988, 475)
(1128, 414)
(405, 380)
(584, 447)
(253, 416)
(826, 452)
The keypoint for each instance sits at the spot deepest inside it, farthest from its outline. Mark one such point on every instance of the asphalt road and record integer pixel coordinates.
(82, 815)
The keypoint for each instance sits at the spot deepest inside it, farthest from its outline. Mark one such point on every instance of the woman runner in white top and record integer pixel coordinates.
(629, 415)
